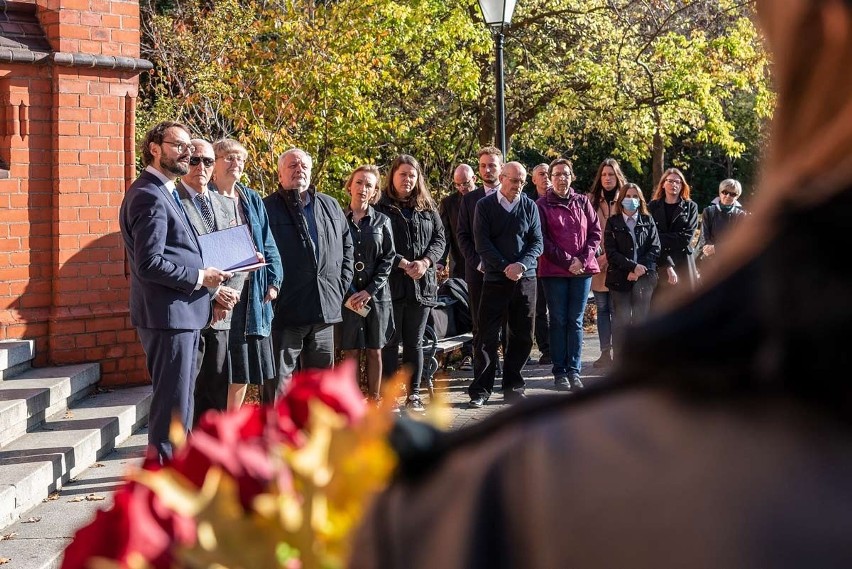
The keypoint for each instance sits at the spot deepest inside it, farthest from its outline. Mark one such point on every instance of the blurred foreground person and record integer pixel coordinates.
(734, 449)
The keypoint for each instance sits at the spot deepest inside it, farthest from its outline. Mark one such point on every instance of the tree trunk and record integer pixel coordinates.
(658, 158)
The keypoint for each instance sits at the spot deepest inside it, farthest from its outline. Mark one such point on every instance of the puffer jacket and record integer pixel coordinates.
(571, 230)
(420, 237)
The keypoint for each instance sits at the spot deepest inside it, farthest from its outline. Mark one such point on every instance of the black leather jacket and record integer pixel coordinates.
(414, 239)
(374, 254)
(619, 249)
(675, 238)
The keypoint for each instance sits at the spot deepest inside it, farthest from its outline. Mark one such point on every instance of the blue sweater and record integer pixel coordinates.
(503, 237)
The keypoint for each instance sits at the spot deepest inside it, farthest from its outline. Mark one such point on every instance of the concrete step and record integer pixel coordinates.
(15, 357)
(31, 396)
(43, 461)
(40, 537)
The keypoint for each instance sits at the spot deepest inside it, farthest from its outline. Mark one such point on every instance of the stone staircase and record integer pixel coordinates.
(54, 424)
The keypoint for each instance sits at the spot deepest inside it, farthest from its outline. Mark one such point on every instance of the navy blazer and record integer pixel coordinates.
(164, 259)
(464, 231)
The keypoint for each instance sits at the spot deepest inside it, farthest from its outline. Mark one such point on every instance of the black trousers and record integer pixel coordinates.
(474, 295)
(513, 303)
(410, 320)
(214, 372)
(304, 347)
(542, 322)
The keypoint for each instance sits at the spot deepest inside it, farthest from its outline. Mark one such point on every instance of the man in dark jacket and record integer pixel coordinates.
(312, 234)
(464, 181)
(490, 164)
(508, 239)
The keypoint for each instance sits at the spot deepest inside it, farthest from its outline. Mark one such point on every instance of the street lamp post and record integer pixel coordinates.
(497, 14)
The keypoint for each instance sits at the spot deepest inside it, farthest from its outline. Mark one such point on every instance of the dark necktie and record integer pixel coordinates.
(206, 214)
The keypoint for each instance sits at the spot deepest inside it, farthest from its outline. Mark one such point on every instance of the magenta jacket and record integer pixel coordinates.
(571, 229)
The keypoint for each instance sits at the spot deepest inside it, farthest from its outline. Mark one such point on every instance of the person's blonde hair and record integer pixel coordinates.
(369, 169)
(730, 183)
(226, 146)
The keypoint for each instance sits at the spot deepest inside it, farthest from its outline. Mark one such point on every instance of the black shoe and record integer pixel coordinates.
(466, 364)
(562, 383)
(512, 396)
(499, 371)
(545, 360)
(604, 361)
(575, 380)
(476, 402)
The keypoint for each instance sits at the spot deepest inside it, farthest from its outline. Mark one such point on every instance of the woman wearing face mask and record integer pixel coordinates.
(418, 237)
(374, 256)
(608, 182)
(677, 219)
(632, 247)
(249, 344)
(718, 218)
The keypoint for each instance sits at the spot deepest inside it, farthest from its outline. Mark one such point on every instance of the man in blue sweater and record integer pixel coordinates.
(507, 234)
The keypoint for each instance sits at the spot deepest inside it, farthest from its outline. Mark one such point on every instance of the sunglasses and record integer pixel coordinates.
(196, 160)
(728, 193)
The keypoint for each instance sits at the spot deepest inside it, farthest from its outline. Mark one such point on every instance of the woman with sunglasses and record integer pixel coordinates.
(632, 247)
(677, 220)
(251, 323)
(372, 237)
(719, 217)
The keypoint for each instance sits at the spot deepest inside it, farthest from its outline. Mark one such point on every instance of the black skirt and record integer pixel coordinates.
(251, 355)
(373, 331)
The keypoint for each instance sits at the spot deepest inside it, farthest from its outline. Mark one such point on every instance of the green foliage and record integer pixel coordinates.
(359, 81)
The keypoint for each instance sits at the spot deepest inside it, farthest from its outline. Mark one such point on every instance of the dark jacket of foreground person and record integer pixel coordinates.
(731, 448)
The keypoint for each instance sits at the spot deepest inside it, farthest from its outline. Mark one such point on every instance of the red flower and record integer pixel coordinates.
(336, 387)
(137, 524)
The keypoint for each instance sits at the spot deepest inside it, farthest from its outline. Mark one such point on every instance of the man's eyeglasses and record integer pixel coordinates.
(674, 182)
(196, 160)
(561, 175)
(181, 146)
(729, 193)
(463, 184)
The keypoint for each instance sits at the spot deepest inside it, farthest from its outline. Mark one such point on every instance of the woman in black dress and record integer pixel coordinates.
(374, 256)
(418, 237)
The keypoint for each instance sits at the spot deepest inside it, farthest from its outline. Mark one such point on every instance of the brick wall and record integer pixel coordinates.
(62, 276)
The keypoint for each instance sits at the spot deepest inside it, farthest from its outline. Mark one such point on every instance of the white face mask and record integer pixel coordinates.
(630, 204)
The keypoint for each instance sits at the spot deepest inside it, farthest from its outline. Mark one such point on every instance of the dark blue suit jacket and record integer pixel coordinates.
(164, 259)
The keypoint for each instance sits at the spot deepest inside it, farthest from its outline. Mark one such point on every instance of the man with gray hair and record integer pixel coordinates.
(312, 234)
(507, 233)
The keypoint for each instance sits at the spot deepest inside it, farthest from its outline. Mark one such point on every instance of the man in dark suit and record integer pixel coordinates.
(208, 211)
(169, 304)
(312, 234)
(464, 181)
(490, 164)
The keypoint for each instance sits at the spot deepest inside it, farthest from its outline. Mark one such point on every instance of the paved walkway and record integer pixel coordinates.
(37, 540)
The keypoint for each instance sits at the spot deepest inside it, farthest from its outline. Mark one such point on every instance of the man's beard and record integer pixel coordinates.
(175, 167)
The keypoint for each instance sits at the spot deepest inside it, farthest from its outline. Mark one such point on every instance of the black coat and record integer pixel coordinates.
(675, 238)
(315, 277)
(414, 239)
(464, 233)
(449, 210)
(619, 249)
(715, 222)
